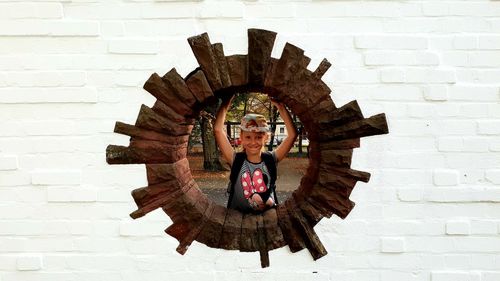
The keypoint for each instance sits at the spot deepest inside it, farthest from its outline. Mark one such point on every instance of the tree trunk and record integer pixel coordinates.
(274, 118)
(211, 160)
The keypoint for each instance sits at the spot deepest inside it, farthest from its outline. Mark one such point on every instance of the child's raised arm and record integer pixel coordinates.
(220, 132)
(287, 144)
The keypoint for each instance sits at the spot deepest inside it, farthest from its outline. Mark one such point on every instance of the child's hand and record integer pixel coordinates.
(256, 202)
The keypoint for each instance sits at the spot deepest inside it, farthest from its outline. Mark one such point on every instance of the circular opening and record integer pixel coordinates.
(212, 173)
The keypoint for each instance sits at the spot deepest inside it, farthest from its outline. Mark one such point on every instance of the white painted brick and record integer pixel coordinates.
(475, 110)
(15, 178)
(390, 42)
(448, 110)
(392, 76)
(456, 194)
(71, 194)
(484, 59)
(410, 195)
(56, 177)
(493, 176)
(455, 276)
(421, 110)
(474, 93)
(476, 144)
(489, 127)
(475, 9)
(465, 42)
(456, 127)
(8, 162)
(112, 28)
(450, 144)
(484, 227)
(445, 177)
(418, 75)
(46, 78)
(400, 58)
(490, 276)
(458, 227)
(143, 228)
(392, 245)
(55, 95)
(170, 10)
(435, 9)
(494, 145)
(31, 10)
(122, 46)
(221, 10)
(436, 92)
(489, 42)
(29, 262)
(455, 58)
(269, 10)
(48, 28)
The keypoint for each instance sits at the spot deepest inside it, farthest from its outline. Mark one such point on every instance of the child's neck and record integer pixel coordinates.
(255, 158)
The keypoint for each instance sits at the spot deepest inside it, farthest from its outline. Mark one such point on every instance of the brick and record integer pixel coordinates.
(433, 9)
(268, 10)
(490, 276)
(456, 127)
(170, 11)
(46, 78)
(418, 75)
(475, 110)
(390, 42)
(48, 28)
(483, 227)
(56, 177)
(392, 76)
(48, 95)
(221, 10)
(392, 245)
(475, 9)
(29, 262)
(489, 127)
(71, 194)
(484, 59)
(436, 92)
(392, 92)
(421, 110)
(8, 162)
(489, 42)
(112, 28)
(476, 144)
(465, 42)
(474, 93)
(15, 178)
(410, 195)
(142, 228)
(31, 10)
(493, 176)
(455, 276)
(458, 227)
(469, 194)
(124, 46)
(450, 144)
(445, 177)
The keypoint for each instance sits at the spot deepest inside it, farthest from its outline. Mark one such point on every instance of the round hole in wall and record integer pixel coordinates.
(160, 137)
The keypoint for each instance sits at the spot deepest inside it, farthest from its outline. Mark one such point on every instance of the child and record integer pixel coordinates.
(251, 191)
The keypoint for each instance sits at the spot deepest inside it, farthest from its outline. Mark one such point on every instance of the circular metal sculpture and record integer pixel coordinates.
(160, 135)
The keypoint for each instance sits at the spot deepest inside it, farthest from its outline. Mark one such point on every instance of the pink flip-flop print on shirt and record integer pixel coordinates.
(253, 184)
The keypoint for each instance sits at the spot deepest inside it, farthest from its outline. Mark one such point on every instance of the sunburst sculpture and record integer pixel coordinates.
(160, 135)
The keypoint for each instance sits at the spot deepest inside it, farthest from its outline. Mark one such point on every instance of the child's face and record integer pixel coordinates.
(252, 142)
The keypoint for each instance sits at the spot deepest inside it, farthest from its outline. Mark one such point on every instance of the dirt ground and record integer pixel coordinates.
(214, 184)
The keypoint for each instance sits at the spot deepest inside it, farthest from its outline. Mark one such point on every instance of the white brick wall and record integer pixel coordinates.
(70, 69)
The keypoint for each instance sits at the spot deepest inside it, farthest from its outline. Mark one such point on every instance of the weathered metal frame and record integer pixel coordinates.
(160, 135)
